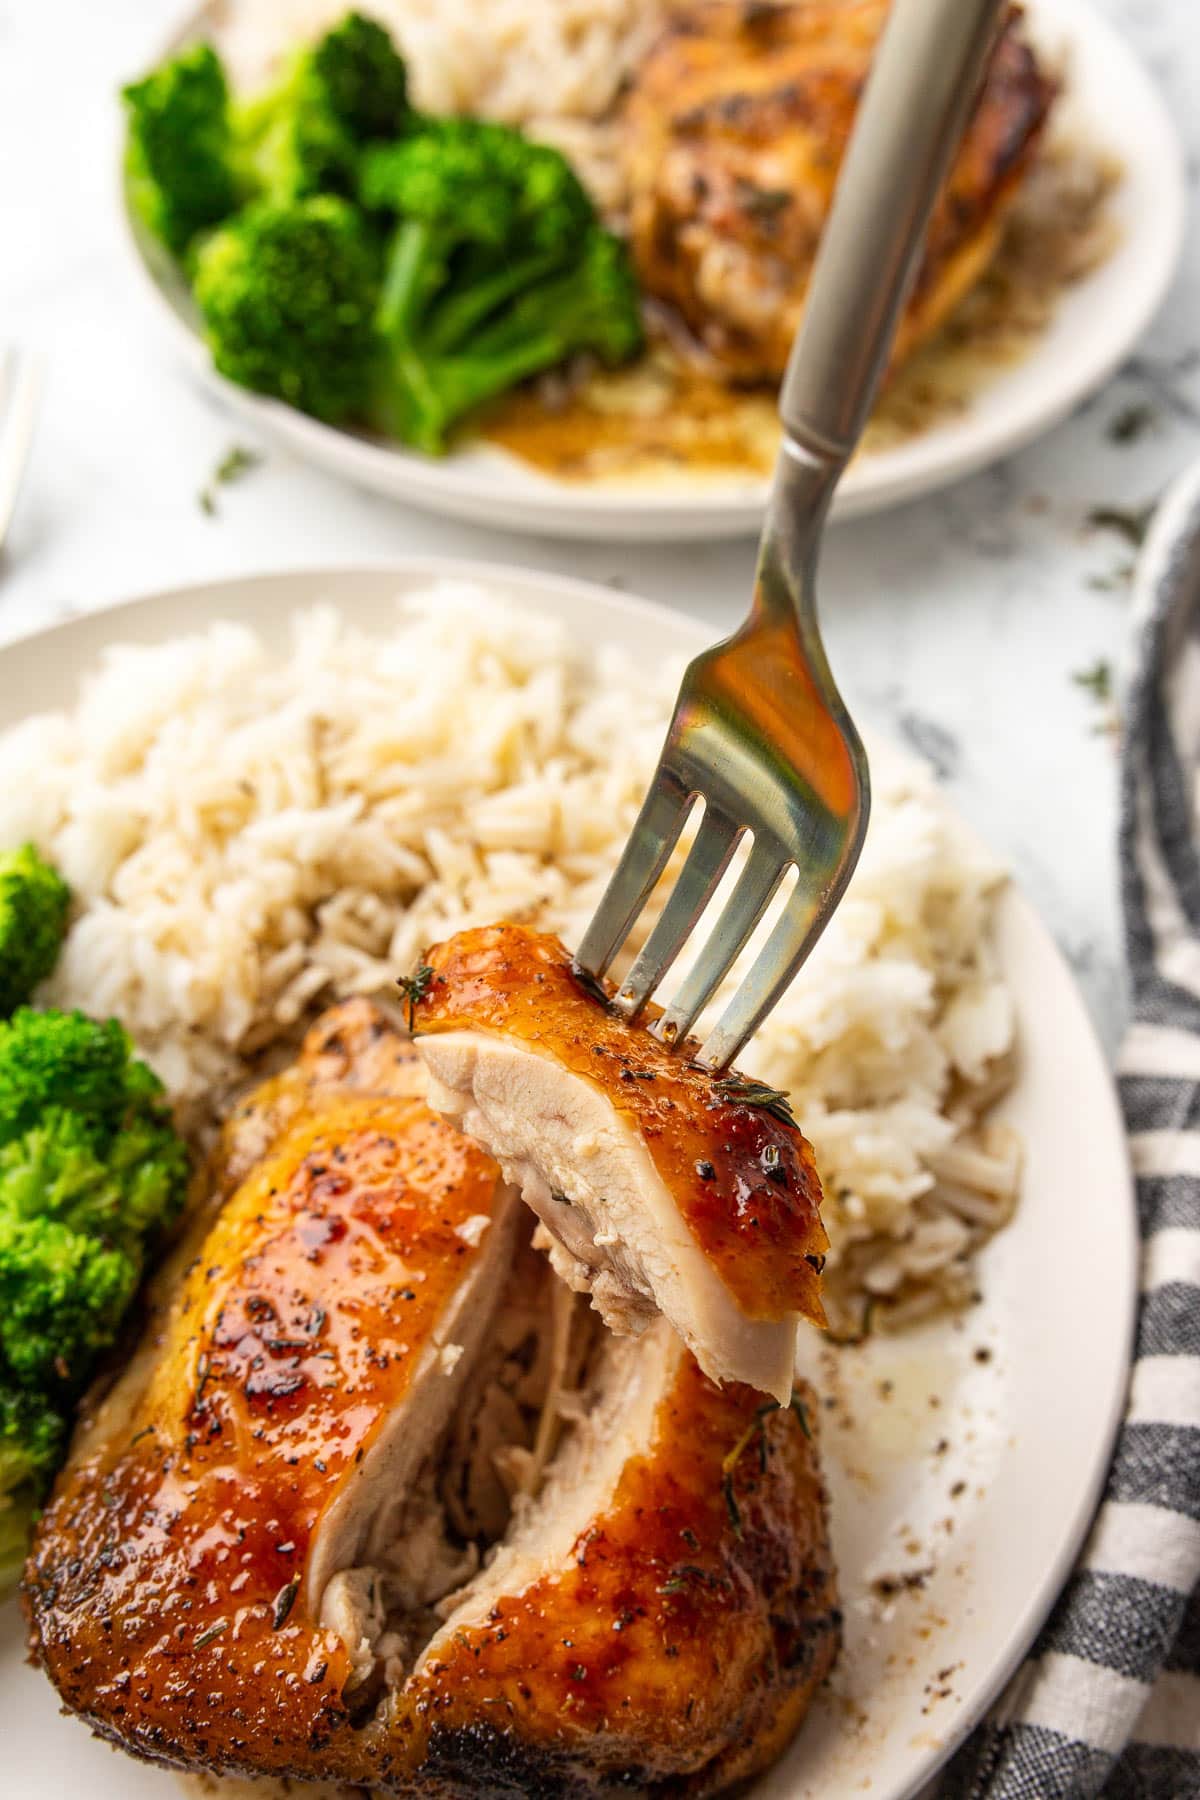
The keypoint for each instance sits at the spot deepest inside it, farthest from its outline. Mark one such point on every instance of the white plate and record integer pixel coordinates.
(1029, 1429)
(1109, 102)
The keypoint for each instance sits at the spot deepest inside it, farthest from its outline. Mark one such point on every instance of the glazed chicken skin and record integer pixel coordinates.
(659, 1187)
(285, 1544)
(735, 128)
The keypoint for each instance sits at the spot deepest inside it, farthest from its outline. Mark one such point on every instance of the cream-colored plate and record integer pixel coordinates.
(944, 1585)
(1110, 104)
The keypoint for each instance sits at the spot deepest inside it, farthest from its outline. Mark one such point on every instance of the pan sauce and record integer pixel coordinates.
(667, 413)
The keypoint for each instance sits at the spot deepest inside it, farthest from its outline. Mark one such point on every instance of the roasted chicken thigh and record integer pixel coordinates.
(379, 1502)
(659, 1188)
(735, 128)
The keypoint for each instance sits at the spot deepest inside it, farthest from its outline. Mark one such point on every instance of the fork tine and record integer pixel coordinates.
(643, 860)
(750, 899)
(707, 861)
(771, 973)
(20, 382)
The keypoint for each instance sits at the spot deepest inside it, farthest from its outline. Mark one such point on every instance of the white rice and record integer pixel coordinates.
(554, 67)
(249, 834)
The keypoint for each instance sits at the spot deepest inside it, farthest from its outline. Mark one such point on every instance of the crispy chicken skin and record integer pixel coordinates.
(660, 1188)
(654, 1621)
(735, 128)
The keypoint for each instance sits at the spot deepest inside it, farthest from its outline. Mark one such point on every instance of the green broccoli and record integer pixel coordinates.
(497, 269)
(303, 135)
(92, 1174)
(56, 1059)
(288, 295)
(33, 1435)
(120, 1185)
(364, 76)
(179, 155)
(62, 1297)
(33, 921)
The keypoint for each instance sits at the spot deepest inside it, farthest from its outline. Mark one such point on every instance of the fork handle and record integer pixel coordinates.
(923, 80)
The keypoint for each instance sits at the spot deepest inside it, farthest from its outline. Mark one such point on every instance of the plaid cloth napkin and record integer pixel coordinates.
(1108, 1702)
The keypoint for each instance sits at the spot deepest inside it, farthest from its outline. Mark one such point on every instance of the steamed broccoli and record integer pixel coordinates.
(303, 135)
(288, 294)
(33, 920)
(364, 77)
(92, 1174)
(497, 269)
(179, 154)
(32, 1438)
(62, 1296)
(57, 1059)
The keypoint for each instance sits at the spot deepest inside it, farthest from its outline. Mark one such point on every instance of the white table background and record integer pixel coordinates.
(954, 623)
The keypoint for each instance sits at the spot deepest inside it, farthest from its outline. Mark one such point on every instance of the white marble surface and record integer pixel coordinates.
(954, 623)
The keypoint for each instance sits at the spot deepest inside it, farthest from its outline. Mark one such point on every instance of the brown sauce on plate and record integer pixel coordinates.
(668, 414)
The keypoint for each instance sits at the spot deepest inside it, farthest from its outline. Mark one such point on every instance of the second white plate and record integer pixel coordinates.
(1108, 103)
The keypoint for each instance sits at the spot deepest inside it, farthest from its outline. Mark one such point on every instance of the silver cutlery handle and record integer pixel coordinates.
(923, 80)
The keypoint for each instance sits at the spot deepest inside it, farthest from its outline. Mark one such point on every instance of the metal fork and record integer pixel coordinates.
(760, 732)
(20, 386)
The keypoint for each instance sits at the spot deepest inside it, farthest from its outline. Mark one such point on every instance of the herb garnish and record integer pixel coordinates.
(214, 1631)
(285, 1599)
(237, 462)
(801, 1411)
(591, 984)
(1131, 423)
(739, 1090)
(1131, 523)
(760, 202)
(1096, 681)
(414, 989)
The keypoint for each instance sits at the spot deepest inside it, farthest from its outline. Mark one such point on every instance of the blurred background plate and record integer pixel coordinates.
(947, 1566)
(1108, 104)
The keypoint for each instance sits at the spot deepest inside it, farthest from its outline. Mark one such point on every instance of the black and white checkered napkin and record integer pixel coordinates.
(1108, 1702)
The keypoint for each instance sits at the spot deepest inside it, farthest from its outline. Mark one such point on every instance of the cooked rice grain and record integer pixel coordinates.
(248, 835)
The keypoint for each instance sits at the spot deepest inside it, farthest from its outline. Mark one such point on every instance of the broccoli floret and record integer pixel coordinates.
(124, 1190)
(432, 381)
(32, 1437)
(497, 269)
(91, 1175)
(63, 1295)
(57, 1059)
(303, 135)
(33, 920)
(364, 76)
(481, 213)
(288, 295)
(179, 151)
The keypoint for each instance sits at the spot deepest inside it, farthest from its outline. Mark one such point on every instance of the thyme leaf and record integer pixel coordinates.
(739, 1090)
(236, 463)
(1131, 423)
(731, 1505)
(214, 1631)
(414, 988)
(1096, 681)
(1129, 522)
(285, 1599)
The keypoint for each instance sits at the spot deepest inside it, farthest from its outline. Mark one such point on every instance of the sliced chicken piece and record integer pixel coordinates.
(660, 1188)
(273, 1550)
(736, 124)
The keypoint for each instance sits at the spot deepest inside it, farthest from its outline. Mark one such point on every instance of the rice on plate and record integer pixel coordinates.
(248, 836)
(554, 67)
